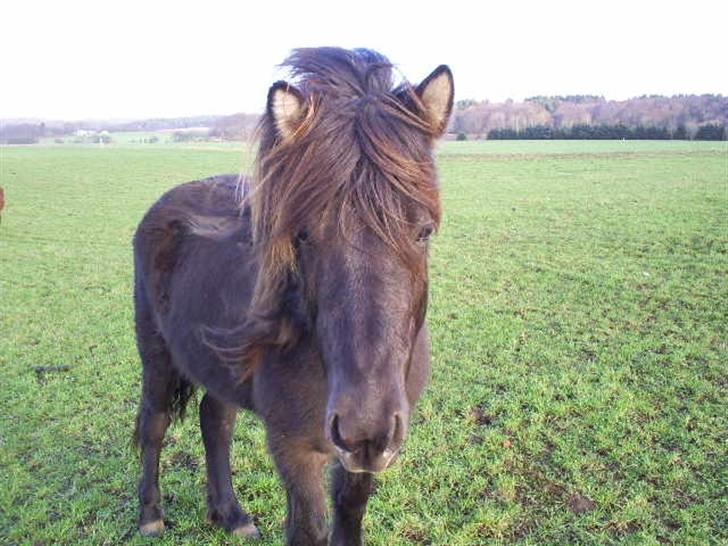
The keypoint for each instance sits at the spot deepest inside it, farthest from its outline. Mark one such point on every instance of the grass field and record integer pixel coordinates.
(579, 317)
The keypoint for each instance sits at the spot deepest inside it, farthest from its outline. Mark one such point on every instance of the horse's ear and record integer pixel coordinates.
(436, 93)
(285, 107)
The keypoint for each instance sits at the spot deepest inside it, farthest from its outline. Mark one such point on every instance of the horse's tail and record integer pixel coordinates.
(184, 390)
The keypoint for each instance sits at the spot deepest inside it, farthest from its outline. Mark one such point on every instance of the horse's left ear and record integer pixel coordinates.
(436, 93)
(285, 107)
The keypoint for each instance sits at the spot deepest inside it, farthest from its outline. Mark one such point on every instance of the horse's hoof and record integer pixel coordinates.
(247, 531)
(152, 529)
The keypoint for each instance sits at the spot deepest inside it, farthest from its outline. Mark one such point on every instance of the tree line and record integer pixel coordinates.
(709, 131)
(233, 127)
(654, 117)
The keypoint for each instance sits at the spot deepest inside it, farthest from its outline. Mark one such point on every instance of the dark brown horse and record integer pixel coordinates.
(299, 294)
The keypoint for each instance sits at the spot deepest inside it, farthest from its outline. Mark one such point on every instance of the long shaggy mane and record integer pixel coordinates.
(360, 156)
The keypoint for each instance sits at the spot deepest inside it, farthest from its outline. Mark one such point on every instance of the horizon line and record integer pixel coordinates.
(133, 118)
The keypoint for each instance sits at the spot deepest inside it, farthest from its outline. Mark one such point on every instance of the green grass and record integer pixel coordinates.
(587, 147)
(578, 314)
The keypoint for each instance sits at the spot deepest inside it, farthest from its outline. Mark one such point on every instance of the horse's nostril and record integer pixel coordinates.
(398, 429)
(336, 435)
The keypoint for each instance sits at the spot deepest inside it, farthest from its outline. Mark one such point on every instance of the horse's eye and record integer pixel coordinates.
(302, 236)
(425, 233)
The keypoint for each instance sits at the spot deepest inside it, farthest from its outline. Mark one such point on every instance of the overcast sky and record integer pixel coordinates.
(126, 59)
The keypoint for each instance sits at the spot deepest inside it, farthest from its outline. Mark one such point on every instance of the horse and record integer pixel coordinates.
(298, 293)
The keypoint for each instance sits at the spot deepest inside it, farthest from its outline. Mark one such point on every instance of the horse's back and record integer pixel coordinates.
(187, 206)
(194, 271)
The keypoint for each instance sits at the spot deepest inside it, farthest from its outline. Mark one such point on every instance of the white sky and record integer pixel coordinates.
(102, 59)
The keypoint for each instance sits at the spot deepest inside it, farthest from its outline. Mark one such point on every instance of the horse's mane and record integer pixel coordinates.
(360, 151)
(361, 156)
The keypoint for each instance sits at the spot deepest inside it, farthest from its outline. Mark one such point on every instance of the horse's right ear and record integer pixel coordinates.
(285, 107)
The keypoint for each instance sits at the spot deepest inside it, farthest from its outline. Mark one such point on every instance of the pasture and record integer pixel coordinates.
(579, 317)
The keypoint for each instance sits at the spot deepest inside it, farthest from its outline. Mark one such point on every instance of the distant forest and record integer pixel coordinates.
(680, 117)
(233, 127)
(701, 117)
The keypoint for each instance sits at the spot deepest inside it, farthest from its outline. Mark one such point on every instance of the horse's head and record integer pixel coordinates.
(345, 201)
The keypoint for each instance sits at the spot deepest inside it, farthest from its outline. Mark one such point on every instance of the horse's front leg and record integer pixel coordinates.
(350, 492)
(302, 471)
(217, 421)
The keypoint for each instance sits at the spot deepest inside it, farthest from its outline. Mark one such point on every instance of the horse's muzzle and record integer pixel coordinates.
(355, 462)
(372, 453)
